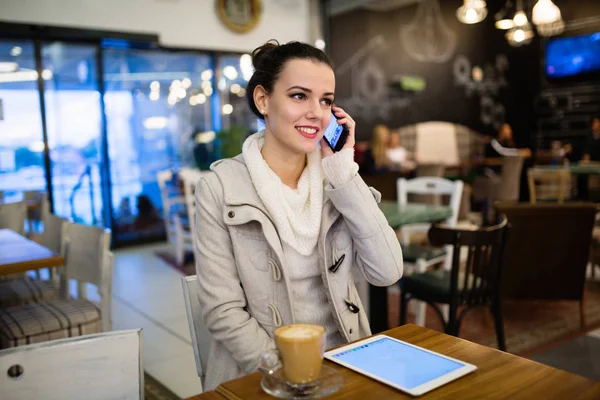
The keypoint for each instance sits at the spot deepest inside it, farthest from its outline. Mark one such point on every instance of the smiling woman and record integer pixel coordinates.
(285, 224)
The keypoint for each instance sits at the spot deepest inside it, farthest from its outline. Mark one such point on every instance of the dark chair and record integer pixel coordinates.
(475, 284)
(548, 251)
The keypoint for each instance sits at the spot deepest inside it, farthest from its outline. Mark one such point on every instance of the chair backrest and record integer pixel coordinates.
(510, 180)
(551, 184)
(547, 250)
(433, 186)
(201, 338)
(13, 216)
(88, 260)
(190, 178)
(93, 367)
(52, 235)
(479, 281)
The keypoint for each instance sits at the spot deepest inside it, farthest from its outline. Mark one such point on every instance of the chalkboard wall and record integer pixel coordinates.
(419, 63)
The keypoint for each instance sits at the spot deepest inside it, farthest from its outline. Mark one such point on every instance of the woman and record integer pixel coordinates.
(398, 156)
(282, 226)
(376, 160)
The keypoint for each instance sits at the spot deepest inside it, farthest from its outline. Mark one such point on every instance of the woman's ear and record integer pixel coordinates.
(261, 98)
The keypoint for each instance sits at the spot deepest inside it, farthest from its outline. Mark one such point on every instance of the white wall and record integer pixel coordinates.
(180, 23)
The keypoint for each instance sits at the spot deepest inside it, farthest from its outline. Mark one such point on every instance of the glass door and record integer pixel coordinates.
(74, 125)
(21, 134)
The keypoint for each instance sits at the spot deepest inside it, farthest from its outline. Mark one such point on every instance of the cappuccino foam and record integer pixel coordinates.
(300, 331)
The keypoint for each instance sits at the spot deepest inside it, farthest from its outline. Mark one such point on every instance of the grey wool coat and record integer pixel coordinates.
(243, 286)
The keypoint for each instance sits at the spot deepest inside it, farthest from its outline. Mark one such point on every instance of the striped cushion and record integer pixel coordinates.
(39, 322)
(19, 291)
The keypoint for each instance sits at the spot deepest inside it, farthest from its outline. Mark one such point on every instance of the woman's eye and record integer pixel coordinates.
(298, 96)
(327, 102)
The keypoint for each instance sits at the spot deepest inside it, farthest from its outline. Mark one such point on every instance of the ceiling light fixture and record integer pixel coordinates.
(472, 11)
(547, 18)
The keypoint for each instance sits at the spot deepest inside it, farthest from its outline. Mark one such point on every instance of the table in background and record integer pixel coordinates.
(398, 215)
(19, 254)
(499, 375)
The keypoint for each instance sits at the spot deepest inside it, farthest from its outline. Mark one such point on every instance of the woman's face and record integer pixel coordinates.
(299, 108)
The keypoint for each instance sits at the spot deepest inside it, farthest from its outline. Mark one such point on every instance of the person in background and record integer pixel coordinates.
(591, 149)
(398, 157)
(376, 160)
(590, 153)
(504, 145)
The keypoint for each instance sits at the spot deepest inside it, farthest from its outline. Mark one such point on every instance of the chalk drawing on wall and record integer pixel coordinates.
(427, 37)
(370, 96)
(484, 83)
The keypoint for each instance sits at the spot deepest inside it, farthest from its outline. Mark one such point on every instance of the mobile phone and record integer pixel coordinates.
(335, 134)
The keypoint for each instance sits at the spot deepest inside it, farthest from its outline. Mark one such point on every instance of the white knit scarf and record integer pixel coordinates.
(296, 212)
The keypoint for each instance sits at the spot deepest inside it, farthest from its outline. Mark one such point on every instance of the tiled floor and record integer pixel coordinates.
(147, 294)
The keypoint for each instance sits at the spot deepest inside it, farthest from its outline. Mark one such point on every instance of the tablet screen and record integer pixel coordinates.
(398, 363)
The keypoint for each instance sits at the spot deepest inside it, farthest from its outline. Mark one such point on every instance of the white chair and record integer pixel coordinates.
(94, 367)
(87, 260)
(201, 338)
(419, 258)
(13, 216)
(178, 230)
(190, 178)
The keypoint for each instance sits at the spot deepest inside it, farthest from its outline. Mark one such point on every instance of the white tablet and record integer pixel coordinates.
(404, 366)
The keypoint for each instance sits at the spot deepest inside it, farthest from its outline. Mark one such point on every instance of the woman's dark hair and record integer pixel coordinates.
(268, 61)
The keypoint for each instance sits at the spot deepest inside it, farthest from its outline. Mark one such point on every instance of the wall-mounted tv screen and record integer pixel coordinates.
(573, 57)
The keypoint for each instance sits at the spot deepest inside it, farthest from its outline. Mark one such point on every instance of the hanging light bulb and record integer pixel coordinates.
(522, 32)
(520, 19)
(472, 11)
(519, 35)
(503, 21)
(547, 18)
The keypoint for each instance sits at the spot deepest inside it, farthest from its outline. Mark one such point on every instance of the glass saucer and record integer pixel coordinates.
(328, 383)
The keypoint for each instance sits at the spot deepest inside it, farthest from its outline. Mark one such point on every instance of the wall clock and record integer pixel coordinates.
(240, 16)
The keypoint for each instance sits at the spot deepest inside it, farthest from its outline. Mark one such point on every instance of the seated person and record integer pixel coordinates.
(375, 159)
(591, 149)
(503, 146)
(398, 156)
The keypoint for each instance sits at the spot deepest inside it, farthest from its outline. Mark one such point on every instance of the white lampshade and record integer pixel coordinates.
(472, 11)
(547, 18)
(545, 12)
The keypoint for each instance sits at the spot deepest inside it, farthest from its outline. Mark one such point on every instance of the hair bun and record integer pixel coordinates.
(260, 52)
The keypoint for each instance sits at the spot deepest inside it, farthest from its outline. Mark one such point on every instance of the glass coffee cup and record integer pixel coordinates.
(299, 354)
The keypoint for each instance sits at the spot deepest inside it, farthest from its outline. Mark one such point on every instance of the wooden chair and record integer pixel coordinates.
(93, 367)
(201, 338)
(418, 258)
(549, 184)
(87, 260)
(13, 216)
(548, 251)
(478, 284)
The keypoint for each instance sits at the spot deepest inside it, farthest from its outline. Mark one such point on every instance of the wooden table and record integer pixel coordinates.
(212, 395)
(499, 376)
(19, 254)
(398, 215)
